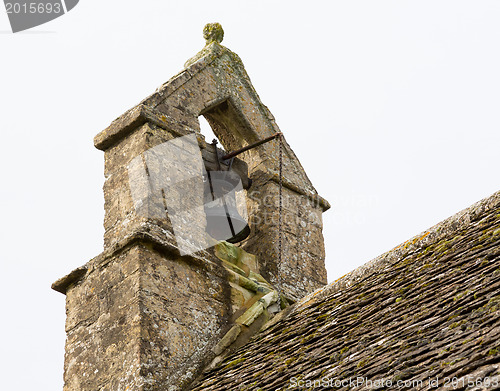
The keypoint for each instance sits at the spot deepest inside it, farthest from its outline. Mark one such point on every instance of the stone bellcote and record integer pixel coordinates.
(147, 315)
(215, 84)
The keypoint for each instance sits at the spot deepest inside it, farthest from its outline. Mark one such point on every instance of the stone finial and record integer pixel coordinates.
(213, 32)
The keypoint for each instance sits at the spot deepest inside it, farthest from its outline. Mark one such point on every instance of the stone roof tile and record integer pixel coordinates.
(428, 309)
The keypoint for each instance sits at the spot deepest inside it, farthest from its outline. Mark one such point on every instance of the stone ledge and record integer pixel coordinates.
(315, 198)
(144, 235)
(62, 284)
(132, 119)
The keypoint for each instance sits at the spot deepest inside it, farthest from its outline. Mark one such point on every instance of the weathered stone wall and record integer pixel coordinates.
(302, 268)
(103, 327)
(121, 217)
(184, 310)
(141, 320)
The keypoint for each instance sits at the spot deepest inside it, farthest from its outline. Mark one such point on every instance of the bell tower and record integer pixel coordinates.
(166, 298)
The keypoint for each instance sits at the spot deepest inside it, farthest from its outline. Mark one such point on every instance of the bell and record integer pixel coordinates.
(223, 219)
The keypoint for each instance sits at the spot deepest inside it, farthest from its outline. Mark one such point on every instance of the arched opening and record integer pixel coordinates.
(207, 131)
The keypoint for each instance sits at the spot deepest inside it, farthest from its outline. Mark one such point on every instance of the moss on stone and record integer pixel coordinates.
(362, 363)
(290, 360)
(234, 362)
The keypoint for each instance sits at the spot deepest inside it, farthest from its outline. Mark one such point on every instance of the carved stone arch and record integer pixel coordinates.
(234, 130)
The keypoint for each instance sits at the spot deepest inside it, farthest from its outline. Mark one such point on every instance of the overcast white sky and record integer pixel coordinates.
(391, 106)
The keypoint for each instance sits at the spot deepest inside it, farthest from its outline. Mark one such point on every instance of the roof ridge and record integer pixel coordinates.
(434, 234)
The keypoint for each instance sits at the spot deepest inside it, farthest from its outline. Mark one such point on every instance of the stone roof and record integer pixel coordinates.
(427, 310)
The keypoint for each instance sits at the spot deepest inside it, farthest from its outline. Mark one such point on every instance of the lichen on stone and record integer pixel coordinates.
(213, 32)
